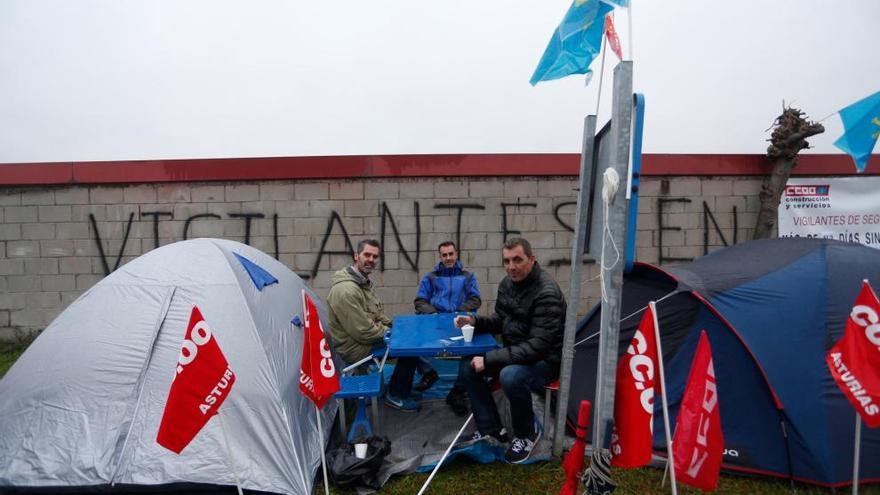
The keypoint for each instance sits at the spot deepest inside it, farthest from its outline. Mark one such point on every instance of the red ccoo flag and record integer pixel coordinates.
(632, 437)
(611, 36)
(317, 375)
(698, 442)
(201, 383)
(855, 360)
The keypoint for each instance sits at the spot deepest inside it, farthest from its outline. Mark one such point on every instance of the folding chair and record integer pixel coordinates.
(548, 396)
(361, 387)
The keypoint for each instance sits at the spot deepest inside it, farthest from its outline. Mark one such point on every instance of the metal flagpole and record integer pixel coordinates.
(601, 74)
(670, 462)
(443, 458)
(577, 258)
(614, 235)
(629, 23)
(323, 458)
(574, 287)
(597, 478)
(232, 466)
(856, 454)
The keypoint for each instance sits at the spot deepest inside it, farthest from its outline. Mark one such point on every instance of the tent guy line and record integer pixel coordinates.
(634, 313)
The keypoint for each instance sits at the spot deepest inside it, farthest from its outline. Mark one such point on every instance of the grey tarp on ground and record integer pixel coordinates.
(419, 440)
(82, 406)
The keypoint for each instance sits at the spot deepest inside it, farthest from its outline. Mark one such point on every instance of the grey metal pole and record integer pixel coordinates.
(574, 290)
(858, 441)
(614, 247)
(446, 454)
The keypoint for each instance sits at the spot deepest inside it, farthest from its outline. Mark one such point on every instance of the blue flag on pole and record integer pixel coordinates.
(575, 43)
(861, 128)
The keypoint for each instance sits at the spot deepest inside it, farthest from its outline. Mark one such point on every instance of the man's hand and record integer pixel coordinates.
(462, 320)
(479, 364)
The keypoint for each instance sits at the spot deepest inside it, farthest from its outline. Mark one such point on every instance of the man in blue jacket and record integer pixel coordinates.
(446, 289)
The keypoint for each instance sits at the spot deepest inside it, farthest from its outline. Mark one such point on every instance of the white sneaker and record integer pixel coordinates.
(501, 437)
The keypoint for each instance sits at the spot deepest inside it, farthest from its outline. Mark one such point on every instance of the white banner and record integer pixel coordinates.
(843, 208)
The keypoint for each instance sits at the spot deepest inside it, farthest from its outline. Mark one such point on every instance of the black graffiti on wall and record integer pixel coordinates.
(155, 215)
(559, 219)
(708, 216)
(389, 226)
(662, 227)
(460, 208)
(505, 231)
(349, 249)
(386, 216)
(104, 264)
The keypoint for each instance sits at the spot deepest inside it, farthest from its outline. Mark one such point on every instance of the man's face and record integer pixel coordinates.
(448, 256)
(517, 265)
(367, 259)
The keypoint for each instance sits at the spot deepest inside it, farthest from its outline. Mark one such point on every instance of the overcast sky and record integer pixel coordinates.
(163, 79)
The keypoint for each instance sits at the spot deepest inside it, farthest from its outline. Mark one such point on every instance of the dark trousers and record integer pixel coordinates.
(400, 384)
(518, 382)
(458, 388)
(424, 365)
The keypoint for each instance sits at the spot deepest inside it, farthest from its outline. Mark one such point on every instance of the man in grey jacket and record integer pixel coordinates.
(358, 322)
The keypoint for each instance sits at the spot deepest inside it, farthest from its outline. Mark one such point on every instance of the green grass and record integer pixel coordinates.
(466, 478)
(9, 352)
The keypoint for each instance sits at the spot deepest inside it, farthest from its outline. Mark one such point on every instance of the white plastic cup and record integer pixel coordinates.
(468, 332)
(360, 450)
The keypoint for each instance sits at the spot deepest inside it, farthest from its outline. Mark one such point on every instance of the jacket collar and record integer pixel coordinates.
(530, 279)
(441, 269)
(358, 277)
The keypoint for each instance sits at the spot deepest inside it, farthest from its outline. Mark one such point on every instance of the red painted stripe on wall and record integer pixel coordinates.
(825, 164)
(364, 166)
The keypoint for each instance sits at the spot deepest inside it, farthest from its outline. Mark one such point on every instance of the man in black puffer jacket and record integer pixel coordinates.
(530, 315)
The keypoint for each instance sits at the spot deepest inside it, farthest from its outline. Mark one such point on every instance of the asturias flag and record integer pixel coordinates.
(855, 360)
(698, 442)
(318, 379)
(575, 43)
(861, 128)
(201, 383)
(632, 438)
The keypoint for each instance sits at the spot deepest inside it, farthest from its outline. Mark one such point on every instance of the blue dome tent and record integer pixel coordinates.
(771, 308)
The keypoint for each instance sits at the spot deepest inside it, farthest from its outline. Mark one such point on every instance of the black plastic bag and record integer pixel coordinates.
(347, 470)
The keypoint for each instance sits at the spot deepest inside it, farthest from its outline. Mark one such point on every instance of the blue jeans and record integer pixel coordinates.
(518, 382)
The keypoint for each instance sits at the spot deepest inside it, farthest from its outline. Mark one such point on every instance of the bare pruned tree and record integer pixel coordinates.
(789, 137)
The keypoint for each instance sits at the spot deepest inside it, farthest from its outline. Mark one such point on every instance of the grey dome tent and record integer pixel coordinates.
(82, 405)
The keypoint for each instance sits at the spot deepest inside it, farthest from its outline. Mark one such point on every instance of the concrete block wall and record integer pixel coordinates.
(56, 242)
